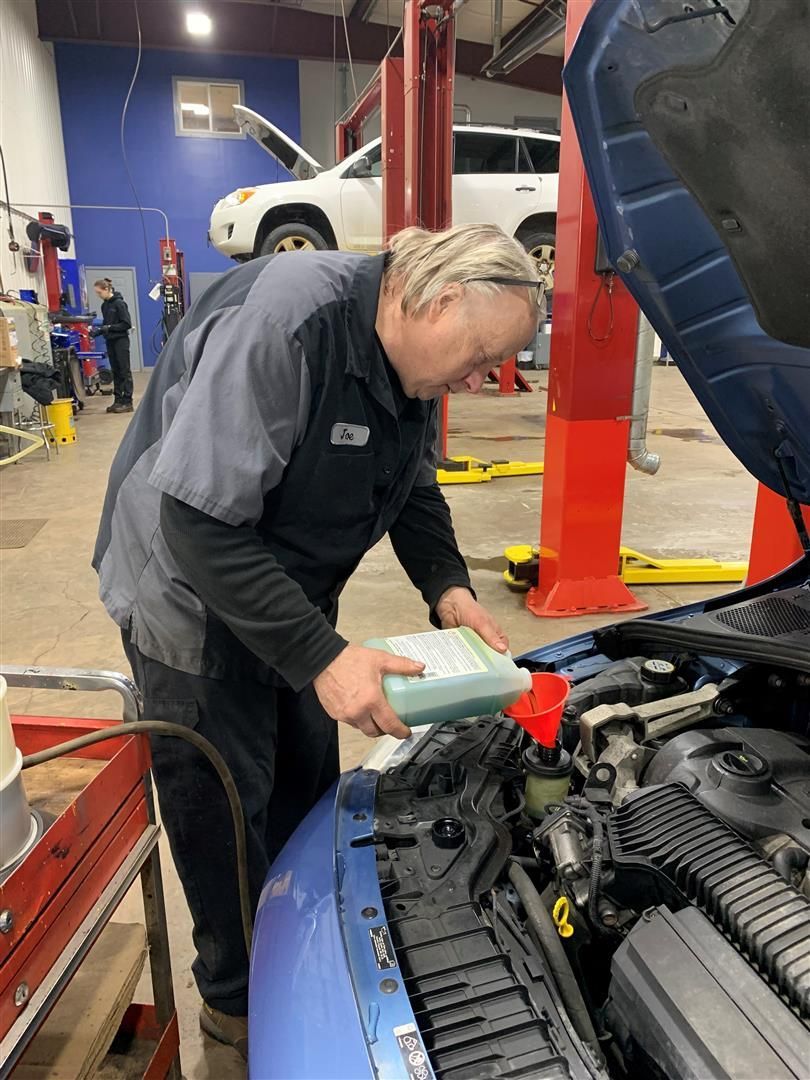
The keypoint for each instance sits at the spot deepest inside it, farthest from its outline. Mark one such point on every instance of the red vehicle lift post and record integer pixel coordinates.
(430, 60)
(415, 95)
(774, 541)
(589, 404)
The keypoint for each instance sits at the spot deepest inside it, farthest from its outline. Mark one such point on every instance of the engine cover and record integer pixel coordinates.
(757, 780)
(682, 999)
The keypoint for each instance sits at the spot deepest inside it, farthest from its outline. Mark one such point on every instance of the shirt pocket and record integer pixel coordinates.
(339, 500)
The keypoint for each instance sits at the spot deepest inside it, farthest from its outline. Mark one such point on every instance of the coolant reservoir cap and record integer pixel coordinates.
(658, 671)
(539, 710)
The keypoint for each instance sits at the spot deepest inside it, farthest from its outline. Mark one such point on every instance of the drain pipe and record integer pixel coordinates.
(638, 455)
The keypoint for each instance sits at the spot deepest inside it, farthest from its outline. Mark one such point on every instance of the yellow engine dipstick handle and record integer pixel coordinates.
(559, 914)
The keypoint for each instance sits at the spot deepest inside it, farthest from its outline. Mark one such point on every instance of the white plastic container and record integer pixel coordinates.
(18, 826)
(463, 677)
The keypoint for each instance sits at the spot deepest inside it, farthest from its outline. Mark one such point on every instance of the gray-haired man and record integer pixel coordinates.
(288, 426)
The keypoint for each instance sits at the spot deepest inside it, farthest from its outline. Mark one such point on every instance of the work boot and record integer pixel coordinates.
(120, 408)
(230, 1030)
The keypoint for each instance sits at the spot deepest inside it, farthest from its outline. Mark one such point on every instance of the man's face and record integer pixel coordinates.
(451, 345)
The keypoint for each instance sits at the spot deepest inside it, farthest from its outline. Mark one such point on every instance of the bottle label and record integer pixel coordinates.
(445, 653)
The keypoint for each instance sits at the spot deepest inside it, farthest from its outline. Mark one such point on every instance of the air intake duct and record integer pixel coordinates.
(667, 838)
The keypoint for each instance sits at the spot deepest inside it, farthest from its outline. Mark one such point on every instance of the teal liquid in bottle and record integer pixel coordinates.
(463, 677)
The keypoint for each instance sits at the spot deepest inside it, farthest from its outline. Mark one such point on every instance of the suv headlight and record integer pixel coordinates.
(236, 198)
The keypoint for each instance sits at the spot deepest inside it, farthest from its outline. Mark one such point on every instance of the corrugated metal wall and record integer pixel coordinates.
(30, 133)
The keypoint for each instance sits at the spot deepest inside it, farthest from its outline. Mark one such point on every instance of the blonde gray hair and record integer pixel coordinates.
(421, 263)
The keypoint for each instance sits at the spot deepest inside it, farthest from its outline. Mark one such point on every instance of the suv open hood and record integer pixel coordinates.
(693, 124)
(278, 145)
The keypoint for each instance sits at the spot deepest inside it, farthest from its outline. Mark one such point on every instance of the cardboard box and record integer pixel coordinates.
(9, 355)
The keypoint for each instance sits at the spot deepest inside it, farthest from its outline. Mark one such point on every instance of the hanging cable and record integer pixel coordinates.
(606, 282)
(348, 47)
(350, 109)
(334, 65)
(13, 246)
(177, 731)
(123, 142)
(423, 96)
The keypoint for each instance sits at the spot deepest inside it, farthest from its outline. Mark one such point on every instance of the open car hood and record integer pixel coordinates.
(278, 145)
(693, 124)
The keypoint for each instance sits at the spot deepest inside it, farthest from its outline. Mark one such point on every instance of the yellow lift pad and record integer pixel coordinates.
(470, 470)
(635, 568)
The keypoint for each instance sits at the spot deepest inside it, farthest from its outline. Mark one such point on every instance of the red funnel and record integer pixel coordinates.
(540, 709)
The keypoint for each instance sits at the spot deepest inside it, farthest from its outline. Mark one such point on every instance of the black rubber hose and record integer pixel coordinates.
(549, 942)
(730, 645)
(788, 859)
(177, 731)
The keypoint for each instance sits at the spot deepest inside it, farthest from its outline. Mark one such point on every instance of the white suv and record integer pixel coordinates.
(503, 175)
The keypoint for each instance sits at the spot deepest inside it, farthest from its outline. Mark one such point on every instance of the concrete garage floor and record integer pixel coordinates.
(700, 503)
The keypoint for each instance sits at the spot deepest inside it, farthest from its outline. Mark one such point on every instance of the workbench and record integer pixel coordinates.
(100, 835)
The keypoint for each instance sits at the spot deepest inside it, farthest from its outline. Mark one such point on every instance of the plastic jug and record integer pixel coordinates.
(463, 677)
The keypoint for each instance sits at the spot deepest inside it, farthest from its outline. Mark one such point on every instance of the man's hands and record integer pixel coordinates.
(350, 690)
(458, 607)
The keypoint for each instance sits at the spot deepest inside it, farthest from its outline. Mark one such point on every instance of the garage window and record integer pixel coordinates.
(205, 108)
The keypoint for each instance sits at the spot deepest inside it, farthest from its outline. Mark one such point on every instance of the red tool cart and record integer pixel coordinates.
(55, 903)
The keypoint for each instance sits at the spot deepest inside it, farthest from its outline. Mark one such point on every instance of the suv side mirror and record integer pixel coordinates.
(361, 170)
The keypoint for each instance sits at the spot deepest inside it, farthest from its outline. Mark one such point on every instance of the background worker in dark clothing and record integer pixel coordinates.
(116, 327)
(289, 425)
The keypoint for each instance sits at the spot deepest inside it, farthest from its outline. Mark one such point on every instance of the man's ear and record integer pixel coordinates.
(445, 300)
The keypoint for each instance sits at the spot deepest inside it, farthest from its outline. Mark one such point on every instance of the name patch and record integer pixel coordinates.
(349, 435)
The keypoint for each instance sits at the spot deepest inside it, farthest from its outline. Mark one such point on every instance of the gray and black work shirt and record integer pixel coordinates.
(272, 449)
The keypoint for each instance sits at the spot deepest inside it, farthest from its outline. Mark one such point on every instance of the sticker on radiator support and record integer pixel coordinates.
(413, 1052)
(383, 949)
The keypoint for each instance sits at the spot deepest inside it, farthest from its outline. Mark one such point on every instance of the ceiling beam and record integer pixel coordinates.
(269, 29)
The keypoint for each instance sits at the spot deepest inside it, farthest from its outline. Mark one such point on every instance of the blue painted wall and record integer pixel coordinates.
(184, 176)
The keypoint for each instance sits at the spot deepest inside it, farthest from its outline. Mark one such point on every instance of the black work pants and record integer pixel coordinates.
(282, 749)
(118, 353)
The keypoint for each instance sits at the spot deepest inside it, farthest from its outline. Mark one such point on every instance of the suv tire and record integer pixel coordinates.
(540, 244)
(293, 236)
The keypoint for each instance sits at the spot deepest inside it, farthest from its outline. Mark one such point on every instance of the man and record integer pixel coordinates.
(288, 426)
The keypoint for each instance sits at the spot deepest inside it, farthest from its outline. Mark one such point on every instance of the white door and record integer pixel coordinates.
(492, 180)
(361, 203)
(124, 279)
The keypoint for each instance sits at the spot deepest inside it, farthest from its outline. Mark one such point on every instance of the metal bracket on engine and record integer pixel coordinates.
(657, 718)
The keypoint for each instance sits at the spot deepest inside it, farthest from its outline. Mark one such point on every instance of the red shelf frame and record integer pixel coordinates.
(56, 902)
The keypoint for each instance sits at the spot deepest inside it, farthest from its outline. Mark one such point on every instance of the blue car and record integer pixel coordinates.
(432, 918)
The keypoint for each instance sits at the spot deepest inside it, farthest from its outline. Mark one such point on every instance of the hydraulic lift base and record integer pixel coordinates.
(470, 470)
(635, 568)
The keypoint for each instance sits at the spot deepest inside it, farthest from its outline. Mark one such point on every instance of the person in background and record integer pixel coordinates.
(115, 329)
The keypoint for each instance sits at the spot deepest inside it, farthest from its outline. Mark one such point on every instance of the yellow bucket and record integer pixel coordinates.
(60, 414)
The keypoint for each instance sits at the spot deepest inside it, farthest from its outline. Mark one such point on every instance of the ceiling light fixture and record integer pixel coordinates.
(198, 23)
(538, 29)
(195, 110)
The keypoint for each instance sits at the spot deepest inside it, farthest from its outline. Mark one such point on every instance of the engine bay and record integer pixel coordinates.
(648, 917)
